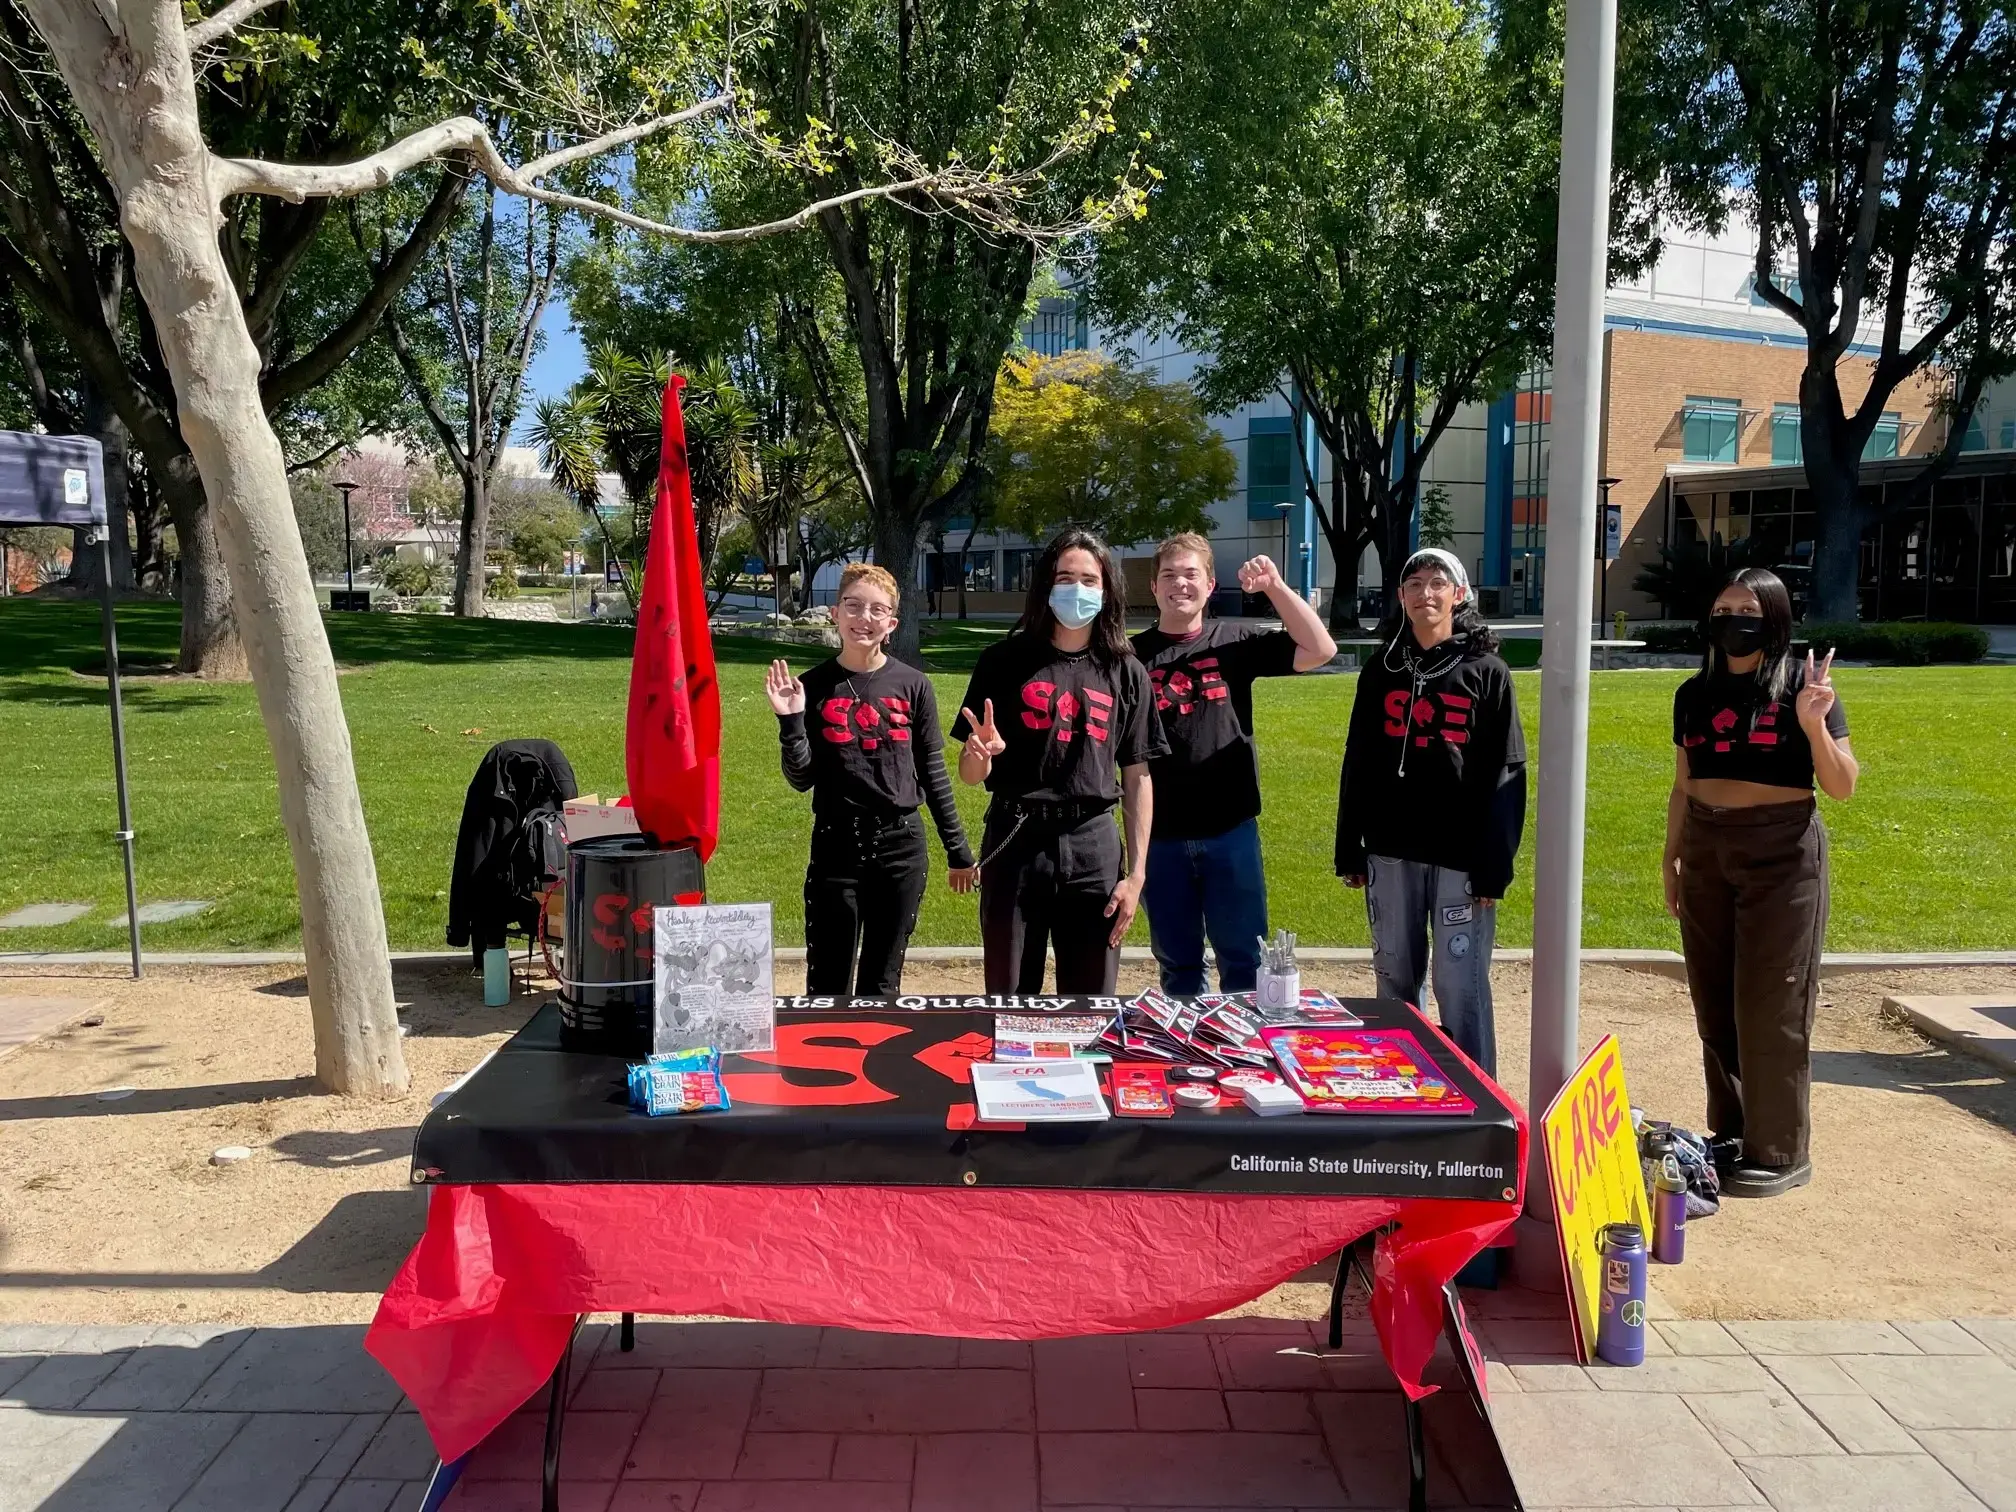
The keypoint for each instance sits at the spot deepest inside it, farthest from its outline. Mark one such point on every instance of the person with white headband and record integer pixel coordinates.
(1059, 722)
(1432, 799)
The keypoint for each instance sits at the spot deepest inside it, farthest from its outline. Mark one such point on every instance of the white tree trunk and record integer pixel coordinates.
(137, 89)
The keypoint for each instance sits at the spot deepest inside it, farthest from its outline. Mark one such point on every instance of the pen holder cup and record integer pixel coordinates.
(1277, 989)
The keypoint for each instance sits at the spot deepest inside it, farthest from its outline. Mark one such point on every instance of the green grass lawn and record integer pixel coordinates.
(1921, 857)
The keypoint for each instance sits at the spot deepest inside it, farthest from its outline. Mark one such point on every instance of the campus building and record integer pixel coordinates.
(1700, 434)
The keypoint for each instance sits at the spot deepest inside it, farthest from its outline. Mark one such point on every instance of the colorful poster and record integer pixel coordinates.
(1362, 1071)
(1593, 1175)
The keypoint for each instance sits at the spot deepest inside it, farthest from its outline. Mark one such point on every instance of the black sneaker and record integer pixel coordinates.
(1752, 1180)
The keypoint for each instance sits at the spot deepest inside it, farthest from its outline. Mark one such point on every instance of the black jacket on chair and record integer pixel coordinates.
(499, 864)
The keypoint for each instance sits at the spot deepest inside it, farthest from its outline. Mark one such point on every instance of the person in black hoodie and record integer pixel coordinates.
(1432, 799)
(878, 753)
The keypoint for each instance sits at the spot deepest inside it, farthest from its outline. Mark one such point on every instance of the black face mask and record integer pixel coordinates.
(1737, 634)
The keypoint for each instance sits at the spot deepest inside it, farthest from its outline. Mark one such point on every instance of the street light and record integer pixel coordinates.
(347, 488)
(1603, 549)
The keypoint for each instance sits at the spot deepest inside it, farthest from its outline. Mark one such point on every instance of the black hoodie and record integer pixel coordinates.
(1434, 764)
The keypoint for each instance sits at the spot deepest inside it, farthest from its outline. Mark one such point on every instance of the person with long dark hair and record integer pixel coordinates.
(871, 756)
(1745, 872)
(1432, 799)
(1073, 736)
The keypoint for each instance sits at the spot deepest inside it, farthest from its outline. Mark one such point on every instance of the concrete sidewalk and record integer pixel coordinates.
(1251, 1413)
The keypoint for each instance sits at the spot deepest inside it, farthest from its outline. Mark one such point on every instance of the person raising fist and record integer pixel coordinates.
(1076, 737)
(1204, 870)
(877, 756)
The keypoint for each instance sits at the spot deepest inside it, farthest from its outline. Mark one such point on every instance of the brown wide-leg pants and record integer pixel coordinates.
(1753, 911)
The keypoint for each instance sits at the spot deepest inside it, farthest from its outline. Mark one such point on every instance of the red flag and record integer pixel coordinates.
(672, 747)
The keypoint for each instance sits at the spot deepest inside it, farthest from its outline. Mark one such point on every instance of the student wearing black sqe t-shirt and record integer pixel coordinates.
(1204, 870)
(1746, 874)
(1059, 722)
(873, 755)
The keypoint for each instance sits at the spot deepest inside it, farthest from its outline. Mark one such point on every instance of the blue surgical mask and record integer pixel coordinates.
(1075, 605)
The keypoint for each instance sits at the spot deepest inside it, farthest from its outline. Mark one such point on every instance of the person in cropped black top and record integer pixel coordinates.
(1745, 872)
(872, 753)
(1432, 798)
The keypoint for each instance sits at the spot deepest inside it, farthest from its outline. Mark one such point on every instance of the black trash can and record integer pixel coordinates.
(613, 884)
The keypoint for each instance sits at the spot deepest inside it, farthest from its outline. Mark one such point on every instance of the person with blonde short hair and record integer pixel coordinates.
(860, 733)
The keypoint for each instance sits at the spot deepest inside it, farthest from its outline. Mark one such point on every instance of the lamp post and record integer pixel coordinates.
(1603, 553)
(347, 488)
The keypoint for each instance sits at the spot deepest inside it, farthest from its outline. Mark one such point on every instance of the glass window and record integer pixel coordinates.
(1883, 440)
(1016, 563)
(1268, 465)
(979, 572)
(1976, 438)
(1708, 429)
(2009, 434)
(1786, 445)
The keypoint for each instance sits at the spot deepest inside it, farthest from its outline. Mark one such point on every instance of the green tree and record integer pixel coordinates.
(1079, 439)
(1874, 150)
(1359, 213)
(1438, 521)
(1021, 89)
(334, 86)
(539, 524)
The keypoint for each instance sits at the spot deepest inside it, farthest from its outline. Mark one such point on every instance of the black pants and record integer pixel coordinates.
(1753, 911)
(862, 892)
(1049, 886)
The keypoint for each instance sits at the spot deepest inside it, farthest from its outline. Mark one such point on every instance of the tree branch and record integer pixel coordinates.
(392, 276)
(217, 27)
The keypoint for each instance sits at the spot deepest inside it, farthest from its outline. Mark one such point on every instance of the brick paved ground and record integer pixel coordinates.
(1249, 1413)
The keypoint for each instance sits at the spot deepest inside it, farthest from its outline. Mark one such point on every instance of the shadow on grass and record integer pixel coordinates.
(336, 1149)
(135, 698)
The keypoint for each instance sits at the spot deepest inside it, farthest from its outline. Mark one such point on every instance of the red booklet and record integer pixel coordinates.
(1362, 1071)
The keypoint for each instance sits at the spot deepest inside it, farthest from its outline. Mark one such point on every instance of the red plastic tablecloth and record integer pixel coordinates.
(476, 1319)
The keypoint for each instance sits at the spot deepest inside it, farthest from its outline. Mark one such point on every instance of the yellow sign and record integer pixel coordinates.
(1594, 1176)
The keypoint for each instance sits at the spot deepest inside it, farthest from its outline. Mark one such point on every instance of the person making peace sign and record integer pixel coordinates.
(1059, 722)
(1745, 873)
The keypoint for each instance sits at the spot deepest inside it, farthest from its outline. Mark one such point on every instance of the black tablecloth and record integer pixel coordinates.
(874, 1094)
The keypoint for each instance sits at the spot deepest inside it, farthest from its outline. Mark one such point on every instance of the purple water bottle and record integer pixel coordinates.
(1620, 1327)
(1669, 1214)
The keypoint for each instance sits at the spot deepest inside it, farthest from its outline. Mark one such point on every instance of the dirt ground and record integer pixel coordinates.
(113, 1213)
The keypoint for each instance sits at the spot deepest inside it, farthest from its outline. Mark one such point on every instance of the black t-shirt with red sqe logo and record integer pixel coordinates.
(1210, 780)
(1070, 722)
(870, 740)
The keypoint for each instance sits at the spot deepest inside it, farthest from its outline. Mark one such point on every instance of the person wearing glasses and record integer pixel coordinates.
(1432, 799)
(1745, 870)
(1059, 722)
(872, 754)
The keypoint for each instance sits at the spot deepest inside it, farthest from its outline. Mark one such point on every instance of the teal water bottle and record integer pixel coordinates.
(496, 977)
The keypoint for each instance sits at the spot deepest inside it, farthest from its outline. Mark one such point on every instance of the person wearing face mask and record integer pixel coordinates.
(1059, 723)
(873, 756)
(1432, 799)
(1745, 871)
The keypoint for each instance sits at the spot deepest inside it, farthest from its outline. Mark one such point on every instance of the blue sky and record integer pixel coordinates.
(558, 362)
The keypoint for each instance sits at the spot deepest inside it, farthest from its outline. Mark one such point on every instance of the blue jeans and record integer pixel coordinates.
(1408, 902)
(1198, 887)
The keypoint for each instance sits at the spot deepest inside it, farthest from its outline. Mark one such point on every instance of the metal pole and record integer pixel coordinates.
(349, 578)
(125, 836)
(1580, 273)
